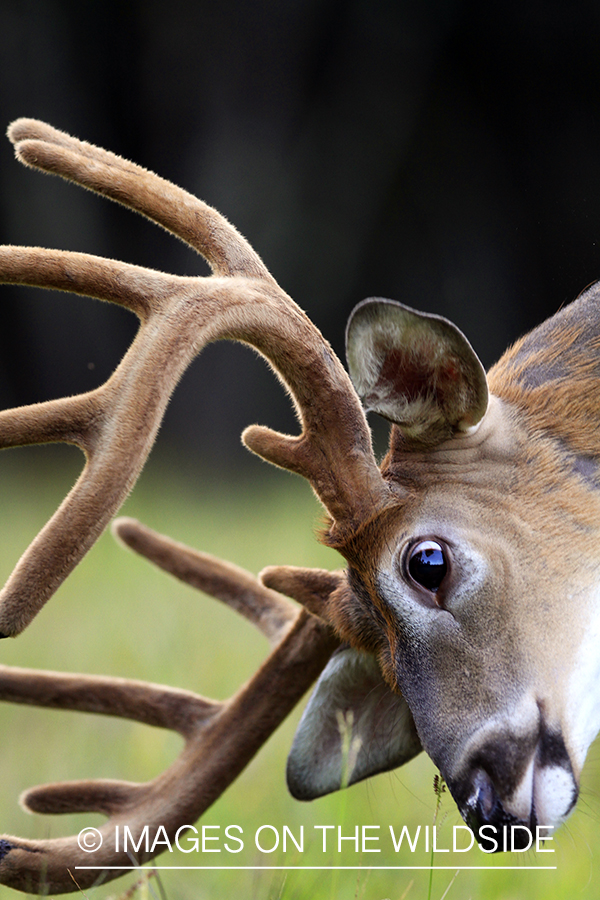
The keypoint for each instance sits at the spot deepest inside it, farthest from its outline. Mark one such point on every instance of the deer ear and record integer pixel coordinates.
(416, 369)
(354, 726)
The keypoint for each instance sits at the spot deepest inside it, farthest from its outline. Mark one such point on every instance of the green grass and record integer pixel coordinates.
(118, 615)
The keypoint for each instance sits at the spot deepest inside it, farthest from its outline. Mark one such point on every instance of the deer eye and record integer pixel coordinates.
(427, 564)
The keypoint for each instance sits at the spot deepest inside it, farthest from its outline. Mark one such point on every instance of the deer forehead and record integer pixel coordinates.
(505, 481)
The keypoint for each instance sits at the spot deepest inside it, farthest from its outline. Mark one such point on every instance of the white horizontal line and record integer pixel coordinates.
(324, 868)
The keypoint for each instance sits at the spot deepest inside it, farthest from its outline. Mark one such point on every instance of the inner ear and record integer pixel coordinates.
(416, 369)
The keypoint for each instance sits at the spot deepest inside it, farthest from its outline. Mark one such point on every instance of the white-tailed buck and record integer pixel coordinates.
(467, 621)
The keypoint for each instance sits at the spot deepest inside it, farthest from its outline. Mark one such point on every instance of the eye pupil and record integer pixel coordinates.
(427, 565)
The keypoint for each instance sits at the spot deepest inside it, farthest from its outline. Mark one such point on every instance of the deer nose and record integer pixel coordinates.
(484, 808)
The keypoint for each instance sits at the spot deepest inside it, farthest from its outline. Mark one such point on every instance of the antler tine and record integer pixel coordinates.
(220, 737)
(271, 613)
(116, 424)
(134, 287)
(150, 704)
(199, 225)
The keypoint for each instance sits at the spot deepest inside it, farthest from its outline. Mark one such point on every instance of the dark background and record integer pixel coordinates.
(446, 154)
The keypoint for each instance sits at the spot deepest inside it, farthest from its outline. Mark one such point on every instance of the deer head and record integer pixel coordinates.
(477, 592)
(466, 549)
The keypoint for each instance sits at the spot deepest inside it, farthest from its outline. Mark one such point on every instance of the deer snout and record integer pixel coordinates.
(505, 787)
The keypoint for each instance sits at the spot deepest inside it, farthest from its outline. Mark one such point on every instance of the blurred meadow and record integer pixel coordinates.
(118, 615)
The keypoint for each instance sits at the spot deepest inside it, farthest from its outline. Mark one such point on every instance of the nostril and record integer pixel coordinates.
(484, 795)
(484, 808)
(483, 803)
